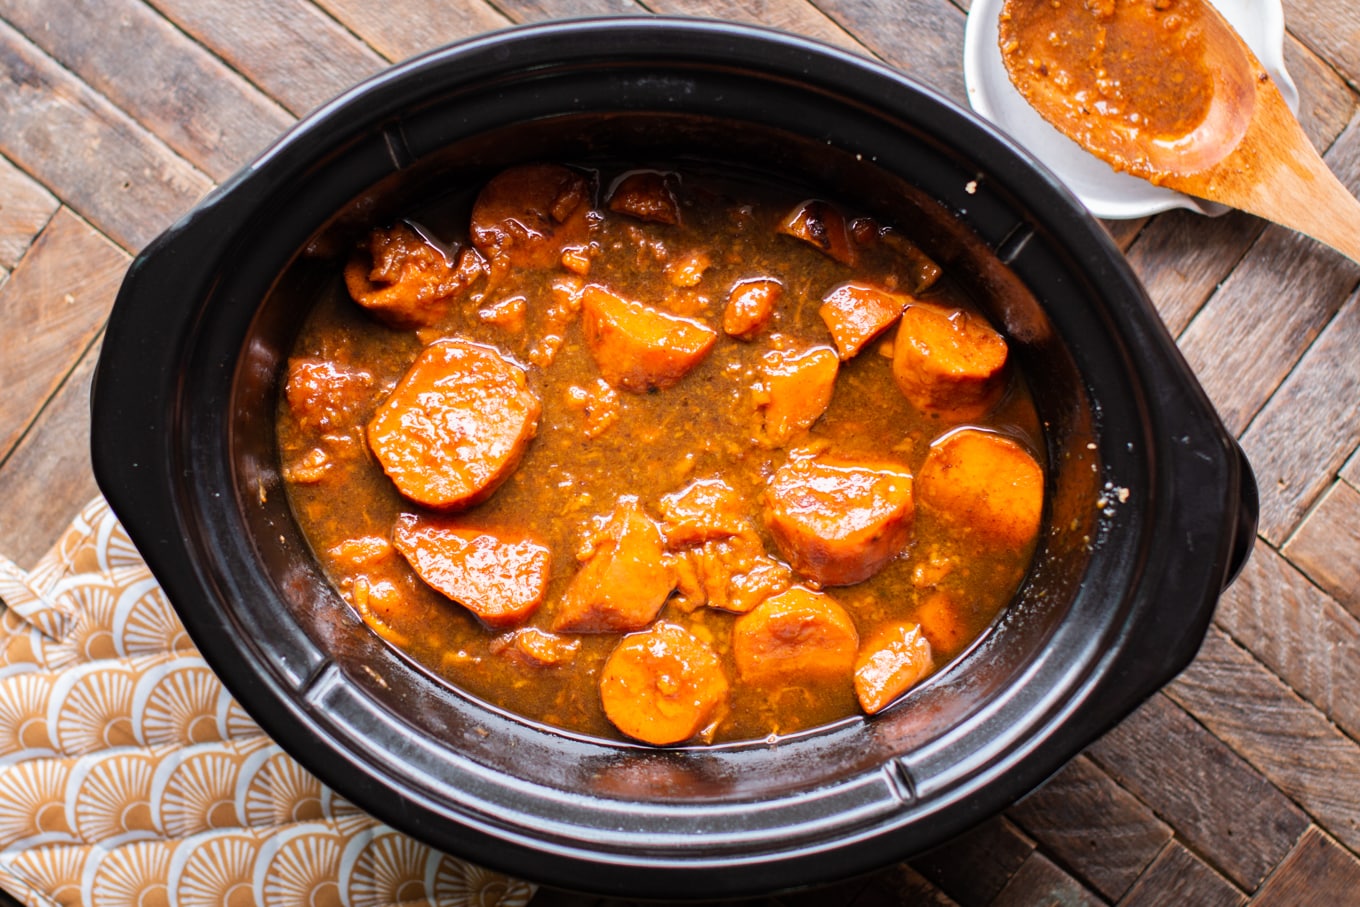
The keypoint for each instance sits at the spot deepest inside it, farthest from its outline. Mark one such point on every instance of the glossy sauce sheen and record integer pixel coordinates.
(681, 456)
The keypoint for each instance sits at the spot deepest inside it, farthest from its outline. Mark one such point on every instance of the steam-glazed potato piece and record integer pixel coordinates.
(795, 638)
(637, 347)
(983, 485)
(663, 685)
(948, 361)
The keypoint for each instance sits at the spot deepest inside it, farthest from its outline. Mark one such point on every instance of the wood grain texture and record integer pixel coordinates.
(154, 72)
(25, 208)
(1308, 428)
(1331, 29)
(898, 885)
(1319, 873)
(539, 10)
(88, 153)
(796, 16)
(1327, 545)
(893, 32)
(1040, 881)
(1298, 632)
(297, 54)
(1095, 828)
(1350, 472)
(48, 478)
(399, 29)
(1218, 803)
(1177, 876)
(1124, 232)
(1297, 749)
(974, 867)
(57, 299)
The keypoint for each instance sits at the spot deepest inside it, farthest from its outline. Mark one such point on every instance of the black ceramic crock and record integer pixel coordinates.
(1151, 506)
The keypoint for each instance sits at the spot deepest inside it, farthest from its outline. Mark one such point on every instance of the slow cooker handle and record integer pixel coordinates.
(1248, 514)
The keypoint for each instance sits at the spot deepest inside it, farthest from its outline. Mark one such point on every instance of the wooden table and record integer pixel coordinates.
(1240, 780)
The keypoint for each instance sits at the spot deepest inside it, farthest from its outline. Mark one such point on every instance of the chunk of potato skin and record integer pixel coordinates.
(798, 386)
(796, 638)
(948, 361)
(625, 580)
(856, 314)
(891, 662)
(639, 348)
(456, 425)
(750, 306)
(526, 216)
(983, 485)
(839, 522)
(663, 686)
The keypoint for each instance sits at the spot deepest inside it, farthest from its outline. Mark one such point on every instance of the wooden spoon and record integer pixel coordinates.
(1168, 91)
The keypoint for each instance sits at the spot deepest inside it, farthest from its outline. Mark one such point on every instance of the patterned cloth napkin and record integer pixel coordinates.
(128, 775)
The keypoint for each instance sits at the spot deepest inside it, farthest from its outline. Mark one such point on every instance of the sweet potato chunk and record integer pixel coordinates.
(837, 522)
(750, 306)
(646, 195)
(663, 686)
(456, 425)
(405, 280)
(322, 393)
(499, 578)
(639, 348)
(948, 361)
(797, 390)
(536, 648)
(735, 574)
(856, 314)
(942, 622)
(529, 215)
(796, 637)
(625, 579)
(891, 662)
(984, 485)
(704, 509)
(821, 225)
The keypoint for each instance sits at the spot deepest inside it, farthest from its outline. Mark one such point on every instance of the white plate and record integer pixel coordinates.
(1105, 192)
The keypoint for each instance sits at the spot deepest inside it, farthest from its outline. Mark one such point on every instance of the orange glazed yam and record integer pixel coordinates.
(501, 579)
(405, 280)
(984, 485)
(704, 509)
(893, 661)
(796, 637)
(821, 225)
(750, 306)
(856, 314)
(456, 425)
(322, 393)
(798, 388)
(948, 361)
(836, 522)
(942, 623)
(663, 686)
(527, 216)
(639, 348)
(623, 583)
(646, 195)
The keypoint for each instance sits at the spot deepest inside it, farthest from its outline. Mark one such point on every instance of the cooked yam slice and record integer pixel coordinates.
(942, 622)
(797, 389)
(795, 638)
(750, 306)
(663, 686)
(456, 425)
(856, 314)
(406, 281)
(646, 195)
(498, 577)
(536, 648)
(639, 348)
(948, 361)
(624, 581)
(322, 393)
(528, 216)
(838, 522)
(891, 662)
(735, 574)
(984, 485)
(704, 509)
(821, 225)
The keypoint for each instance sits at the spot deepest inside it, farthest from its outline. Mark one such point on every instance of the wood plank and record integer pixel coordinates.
(1124, 232)
(797, 16)
(57, 300)
(1351, 471)
(1179, 877)
(925, 44)
(1331, 29)
(1319, 872)
(398, 29)
(198, 106)
(25, 208)
(87, 152)
(1327, 545)
(1218, 803)
(292, 50)
(1039, 881)
(1245, 339)
(1298, 750)
(1309, 427)
(1181, 256)
(49, 478)
(538, 10)
(974, 867)
(1297, 631)
(895, 886)
(1100, 832)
